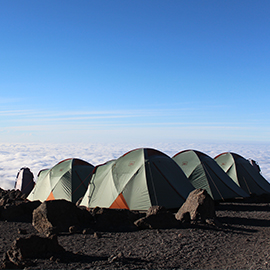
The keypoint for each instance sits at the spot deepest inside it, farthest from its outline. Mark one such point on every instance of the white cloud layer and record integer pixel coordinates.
(41, 156)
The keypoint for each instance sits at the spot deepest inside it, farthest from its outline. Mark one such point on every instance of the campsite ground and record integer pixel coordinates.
(240, 242)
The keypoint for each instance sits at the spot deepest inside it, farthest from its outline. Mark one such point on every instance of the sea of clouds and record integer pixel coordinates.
(40, 156)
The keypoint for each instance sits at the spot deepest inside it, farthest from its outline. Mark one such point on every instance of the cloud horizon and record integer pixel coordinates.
(40, 156)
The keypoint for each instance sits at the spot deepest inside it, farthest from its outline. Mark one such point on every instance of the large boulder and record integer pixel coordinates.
(32, 247)
(18, 210)
(107, 219)
(199, 206)
(58, 216)
(157, 217)
(15, 207)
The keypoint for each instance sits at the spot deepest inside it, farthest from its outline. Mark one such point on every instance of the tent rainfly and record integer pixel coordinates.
(24, 180)
(203, 172)
(66, 180)
(243, 173)
(138, 180)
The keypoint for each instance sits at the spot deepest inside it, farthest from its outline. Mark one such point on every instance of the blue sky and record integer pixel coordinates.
(125, 71)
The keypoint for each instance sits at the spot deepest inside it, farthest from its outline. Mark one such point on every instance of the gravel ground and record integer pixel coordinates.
(240, 242)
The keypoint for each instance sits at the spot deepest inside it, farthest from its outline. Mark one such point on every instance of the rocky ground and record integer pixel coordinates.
(240, 241)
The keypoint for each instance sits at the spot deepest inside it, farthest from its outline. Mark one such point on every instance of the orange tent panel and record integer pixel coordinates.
(119, 203)
(51, 197)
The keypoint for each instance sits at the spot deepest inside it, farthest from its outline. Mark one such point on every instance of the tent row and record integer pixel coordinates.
(145, 177)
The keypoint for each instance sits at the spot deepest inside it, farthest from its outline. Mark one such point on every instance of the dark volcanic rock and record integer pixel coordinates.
(115, 219)
(32, 247)
(241, 243)
(9, 196)
(157, 217)
(19, 211)
(58, 216)
(14, 207)
(199, 205)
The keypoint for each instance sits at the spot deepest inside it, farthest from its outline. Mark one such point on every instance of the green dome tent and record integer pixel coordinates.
(203, 172)
(66, 180)
(243, 173)
(138, 180)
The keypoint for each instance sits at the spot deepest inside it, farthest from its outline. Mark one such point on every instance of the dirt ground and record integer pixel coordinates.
(242, 241)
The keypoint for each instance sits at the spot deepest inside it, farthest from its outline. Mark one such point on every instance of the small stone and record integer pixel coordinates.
(119, 256)
(22, 231)
(88, 231)
(97, 235)
(72, 229)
